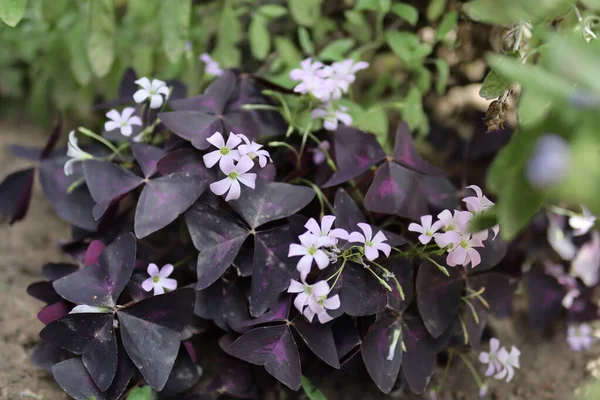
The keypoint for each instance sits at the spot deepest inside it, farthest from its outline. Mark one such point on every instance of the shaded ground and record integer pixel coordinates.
(549, 369)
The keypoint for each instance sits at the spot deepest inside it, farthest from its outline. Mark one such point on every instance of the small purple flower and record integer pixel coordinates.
(308, 69)
(159, 279)
(427, 229)
(226, 151)
(461, 247)
(212, 67)
(319, 156)
(580, 337)
(236, 173)
(310, 249)
(372, 244)
(331, 116)
(122, 121)
(326, 236)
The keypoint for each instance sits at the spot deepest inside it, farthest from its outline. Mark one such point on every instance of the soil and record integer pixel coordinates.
(549, 369)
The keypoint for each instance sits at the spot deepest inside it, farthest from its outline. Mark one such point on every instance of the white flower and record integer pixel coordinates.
(159, 280)
(312, 300)
(326, 236)
(458, 222)
(558, 240)
(572, 294)
(75, 153)
(461, 247)
(254, 150)
(320, 88)
(477, 204)
(154, 91)
(310, 249)
(84, 309)
(580, 337)
(582, 223)
(341, 74)
(124, 121)
(331, 116)
(226, 151)
(509, 361)
(587, 262)
(236, 173)
(372, 245)
(307, 70)
(212, 67)
(491, 358)
(426, 229)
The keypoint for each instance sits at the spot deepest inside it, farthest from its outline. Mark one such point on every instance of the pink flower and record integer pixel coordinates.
(457, 222)
(460, 247)
(331, 116)
(426, 229)
(236, 173)
(312, 300)
(212, 67)
(254, 150)
(226, 151)
(159, 280)
(319, 152)
(477, 204)
(372, 245)
(580, 337)
(326, 236)
(310, 250)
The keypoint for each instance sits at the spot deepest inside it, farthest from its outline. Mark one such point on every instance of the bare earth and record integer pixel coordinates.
(549, 369)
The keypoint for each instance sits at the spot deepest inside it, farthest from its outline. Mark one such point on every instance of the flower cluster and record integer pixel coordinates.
(319, 245)
(235, 161)
(580, 337)
(327, 83)
(500, 361)
(455, 236)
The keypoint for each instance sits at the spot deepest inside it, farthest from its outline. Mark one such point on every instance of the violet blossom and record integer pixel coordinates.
(312, 300)
(319, 155)
(582, 223)
(254, 150)
(586, 264)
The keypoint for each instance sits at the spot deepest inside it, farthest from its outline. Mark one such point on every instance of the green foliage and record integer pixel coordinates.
(11, 11)
(406, 12)
(175, 26)
(100, 23)
(516, 11)
(140, 393)
(311, 392)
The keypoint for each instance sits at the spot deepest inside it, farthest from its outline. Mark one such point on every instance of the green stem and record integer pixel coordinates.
(478, 380)
(181, 262)
(286, 145)
(338, 273)
(75, 184)
(380, 279)
(260, 107)
(441, 268)
(99, 138)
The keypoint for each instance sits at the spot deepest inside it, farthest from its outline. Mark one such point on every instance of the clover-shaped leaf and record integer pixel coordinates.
(418, 360)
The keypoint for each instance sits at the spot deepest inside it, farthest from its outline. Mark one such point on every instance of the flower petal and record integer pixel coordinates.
(321, 259)
(313, 226)
(366, 228)
(166, 271)
(152, 270)
(220, 187)
(234, 191)
(140, 96)
(210, 159)
(169, 284)
(248, 179)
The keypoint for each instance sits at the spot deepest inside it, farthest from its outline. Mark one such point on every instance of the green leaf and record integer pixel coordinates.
(336, 50)
(175, 18)
(435, 9)
(494, 85)
(53, 10)
(305, 41)
(305, 12)
(375, 120)
(101, 31)
(407, 12)
(11, 11)
(510, 12)
(272, 11)
(413, 113)
(311, 392)
(407, 47)
(448, 23)
(229, 33)
(80, 67)
(483, 221)
(371, 5)
(517, 204)
(357, 25)
(287, 51)
(260, 38)
(443, 70)
(140, 393)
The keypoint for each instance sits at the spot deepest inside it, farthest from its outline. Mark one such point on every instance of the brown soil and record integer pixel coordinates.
(549, 369)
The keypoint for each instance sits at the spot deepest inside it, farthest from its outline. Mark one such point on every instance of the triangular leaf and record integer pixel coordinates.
(406, 154)
(319, 339)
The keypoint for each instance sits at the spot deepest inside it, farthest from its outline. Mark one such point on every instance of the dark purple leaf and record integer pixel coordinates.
(406, 154)
(418, 361)
(15, 194)
(275, 349)
(101, 285)
(92, 255)
(218, 237)
(165, 198)
(194, 126)
(234, 377)
(273, 269)
(92, 336)
(360, 292)
(403, 270)
(441, 193)
(107, 182)
(355, 153)
(150, 333)
(396, 190)
(134, 286)
(52, 312)
(54, 271)
(147, 156)
(45, 354)
(498, 289)
(438, 297)
(319, 339)
(183, 377)
(244, 261)
(52, 139)
(277, 313)
(544, 298)
(382, 351)
(492, 253)
(346, 335)
(224, 303)
(43, 291)
(74, 379)
(271, 201)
